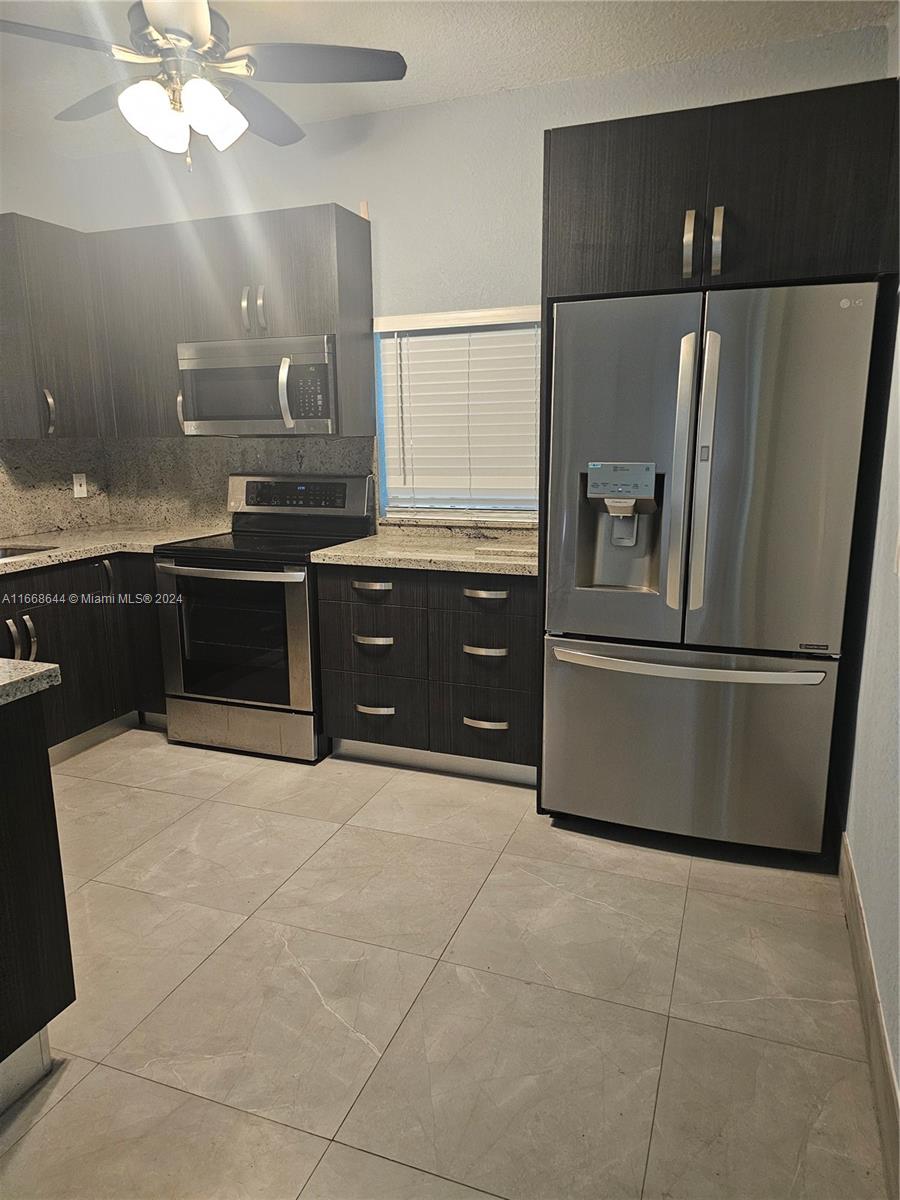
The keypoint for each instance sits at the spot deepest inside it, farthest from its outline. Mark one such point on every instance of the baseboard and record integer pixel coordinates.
(101, 733)
(881, 1063)
(430, 760)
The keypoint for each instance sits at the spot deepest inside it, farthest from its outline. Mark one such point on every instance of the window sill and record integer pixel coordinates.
(462, 517)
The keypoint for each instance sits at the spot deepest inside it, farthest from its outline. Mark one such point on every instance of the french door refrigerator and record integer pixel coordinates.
(704, 451)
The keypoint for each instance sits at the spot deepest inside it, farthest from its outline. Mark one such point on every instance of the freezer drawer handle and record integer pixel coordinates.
(704, 674)
(362, 640)
(369, 711)
(480, 594)
(363, 585)
(501, 725)
(680, 449)
(234, 576)
(486, 651)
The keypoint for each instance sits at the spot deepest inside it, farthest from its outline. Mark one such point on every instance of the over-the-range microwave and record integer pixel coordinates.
(259, 387)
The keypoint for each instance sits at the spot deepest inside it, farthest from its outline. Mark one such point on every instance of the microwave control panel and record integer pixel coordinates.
(310, 493)
(309, 391)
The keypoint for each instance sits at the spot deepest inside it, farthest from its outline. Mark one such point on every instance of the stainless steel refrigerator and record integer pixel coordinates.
(704, 452)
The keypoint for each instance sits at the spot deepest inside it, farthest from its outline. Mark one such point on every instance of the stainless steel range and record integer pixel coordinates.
(239, 625)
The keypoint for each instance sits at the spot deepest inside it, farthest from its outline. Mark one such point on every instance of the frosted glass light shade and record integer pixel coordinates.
(146, 107)
(209, 112)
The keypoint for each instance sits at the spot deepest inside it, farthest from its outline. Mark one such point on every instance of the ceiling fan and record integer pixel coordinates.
(200, 81)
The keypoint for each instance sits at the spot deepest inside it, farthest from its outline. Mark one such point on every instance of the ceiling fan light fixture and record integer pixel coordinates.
(209, 113)
(146, 107)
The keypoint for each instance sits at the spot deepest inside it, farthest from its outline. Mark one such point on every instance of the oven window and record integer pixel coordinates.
(234, 640)
(235, 394)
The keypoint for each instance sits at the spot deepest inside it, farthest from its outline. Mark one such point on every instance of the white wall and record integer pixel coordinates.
(454, 189)
(873, 823)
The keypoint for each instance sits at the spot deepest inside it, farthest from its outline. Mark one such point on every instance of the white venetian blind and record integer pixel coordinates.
(460, 418)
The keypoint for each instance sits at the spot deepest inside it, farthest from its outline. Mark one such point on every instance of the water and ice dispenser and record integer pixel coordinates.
(619, 526)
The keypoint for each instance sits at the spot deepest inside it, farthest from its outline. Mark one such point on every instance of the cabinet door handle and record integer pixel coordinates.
(486, 651)
(718, 232)
(374, 712)
(480, 594)
(261, 306)
(245, 308)
(51, 413)
(361, 640)
(179, 409)
(365, 585)
(32, 636)
(687, 244)
(16, 640)
(107, 567)
(485, 724)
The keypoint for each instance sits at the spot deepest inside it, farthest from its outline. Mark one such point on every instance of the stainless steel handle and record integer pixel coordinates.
(32, 637)
(364, 585)
(478, 594)
(261, 306)
(245, 308)
(706, 427)
(283, 393)
(684, 394)
(486, 651)
(361, 640)
(687, 244)
(51, 413)
(374, 712)
(236, 576)
(718, 229)
(179, 409)
(704, 674)
(14, 634)
(107, 567)
(485, 724)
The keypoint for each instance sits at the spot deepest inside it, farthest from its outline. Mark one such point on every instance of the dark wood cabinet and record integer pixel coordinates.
(512, 595)
(372, 586)
(54, 379)
(484, 722)
(144, 687)
(385, 640)
(376, 708)
(484, 649)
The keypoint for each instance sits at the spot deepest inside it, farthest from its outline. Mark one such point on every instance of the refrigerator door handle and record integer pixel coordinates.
(670, 671)
(680, 451)
(706, 427)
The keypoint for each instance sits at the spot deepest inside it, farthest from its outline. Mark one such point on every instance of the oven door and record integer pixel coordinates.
(236, 635)
(268, 387)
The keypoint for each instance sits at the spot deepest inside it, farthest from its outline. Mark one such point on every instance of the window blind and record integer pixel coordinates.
(459, 415)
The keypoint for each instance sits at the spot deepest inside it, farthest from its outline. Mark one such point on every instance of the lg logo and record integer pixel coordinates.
(845, 303)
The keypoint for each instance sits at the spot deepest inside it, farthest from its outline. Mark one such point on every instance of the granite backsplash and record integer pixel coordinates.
(151, 482)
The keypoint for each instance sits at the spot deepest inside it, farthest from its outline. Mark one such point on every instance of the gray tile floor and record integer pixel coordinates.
(350, 982)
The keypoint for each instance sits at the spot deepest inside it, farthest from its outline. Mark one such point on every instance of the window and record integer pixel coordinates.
(458, 415)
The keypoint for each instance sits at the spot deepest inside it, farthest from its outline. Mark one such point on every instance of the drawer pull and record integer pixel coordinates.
(486, 651)
(364, 585)
(479, 594)
(485, 724)
(361, 640)
(368, 711)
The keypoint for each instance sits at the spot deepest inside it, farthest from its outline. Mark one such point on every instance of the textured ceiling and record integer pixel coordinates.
(458, 49)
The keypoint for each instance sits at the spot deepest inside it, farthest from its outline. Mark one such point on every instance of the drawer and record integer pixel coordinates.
(344, 693)
(513, 594)
(515, 715)
(374, 639)
(483, 648)
(372, 586)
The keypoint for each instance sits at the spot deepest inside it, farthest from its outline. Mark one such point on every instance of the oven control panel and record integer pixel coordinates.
(300, 493)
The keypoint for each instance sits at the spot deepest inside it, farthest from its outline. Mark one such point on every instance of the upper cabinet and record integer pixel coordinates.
(765, 191)
(54, 378)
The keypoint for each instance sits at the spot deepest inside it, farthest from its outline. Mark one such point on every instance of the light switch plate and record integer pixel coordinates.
(79, 486)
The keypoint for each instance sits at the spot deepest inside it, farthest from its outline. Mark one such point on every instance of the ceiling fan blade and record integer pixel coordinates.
(82, 41)
(306, 62)
(266, 119)
(97, 102)
(182, 21)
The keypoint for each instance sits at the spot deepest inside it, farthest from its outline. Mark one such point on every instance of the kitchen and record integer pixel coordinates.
(387, 723)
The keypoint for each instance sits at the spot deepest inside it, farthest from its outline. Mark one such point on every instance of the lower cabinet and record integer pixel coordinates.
(138, 664)
(447, 662)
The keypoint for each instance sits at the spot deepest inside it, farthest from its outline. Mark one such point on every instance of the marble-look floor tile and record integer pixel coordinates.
(740, 1118)
(16, 1120)
(280, 1022)
(348, 1174)
(100, 822)
(222, 855)
(115, 1137)
(605, 935)
(472, 812)
(405, 892)
(802, 889)
(768, 969)
(538, 837)
(527, 1092)
(332, 790)
(143, 758)
(129, 951)
(72, 883)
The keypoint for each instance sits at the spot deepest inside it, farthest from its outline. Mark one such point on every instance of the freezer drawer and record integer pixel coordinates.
(725, 746)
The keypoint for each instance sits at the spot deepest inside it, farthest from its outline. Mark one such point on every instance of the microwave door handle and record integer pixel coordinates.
(283, 393)
(179, 409)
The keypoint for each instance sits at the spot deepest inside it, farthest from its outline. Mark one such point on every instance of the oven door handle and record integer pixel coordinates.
(236, 576)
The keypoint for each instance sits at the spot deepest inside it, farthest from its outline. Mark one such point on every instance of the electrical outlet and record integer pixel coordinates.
(79, 486)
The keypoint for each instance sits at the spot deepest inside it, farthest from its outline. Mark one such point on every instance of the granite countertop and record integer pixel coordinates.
(18, 679)
(488, 552)
(69, 545)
